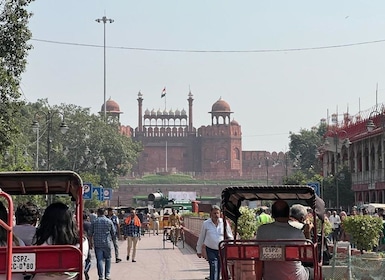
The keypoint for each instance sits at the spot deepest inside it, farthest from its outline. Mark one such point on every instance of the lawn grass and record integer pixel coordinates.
(183, 179)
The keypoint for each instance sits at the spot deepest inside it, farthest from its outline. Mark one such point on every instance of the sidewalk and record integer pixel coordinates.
(155, 263)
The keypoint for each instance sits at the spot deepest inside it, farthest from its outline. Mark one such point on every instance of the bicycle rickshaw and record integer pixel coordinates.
(41, 259)
(244, 259)
(169, 235)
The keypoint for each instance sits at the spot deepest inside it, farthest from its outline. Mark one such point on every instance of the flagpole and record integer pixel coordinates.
(165, 102)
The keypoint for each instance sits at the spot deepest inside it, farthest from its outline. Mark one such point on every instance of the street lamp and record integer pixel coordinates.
(36, 128)
(104, 19)
(338, 146)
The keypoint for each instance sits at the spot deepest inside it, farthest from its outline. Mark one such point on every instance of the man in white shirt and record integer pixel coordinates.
(281, 229)
(211, 234)
(335, 221)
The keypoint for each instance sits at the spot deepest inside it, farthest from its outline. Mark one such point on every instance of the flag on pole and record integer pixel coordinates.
(163, 94)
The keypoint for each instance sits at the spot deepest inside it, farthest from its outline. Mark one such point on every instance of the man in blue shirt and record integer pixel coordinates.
(101, 232)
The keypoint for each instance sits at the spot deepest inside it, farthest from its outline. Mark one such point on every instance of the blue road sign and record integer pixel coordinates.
(107, 194)
(316, 187)
(87, 191)
(98, 191)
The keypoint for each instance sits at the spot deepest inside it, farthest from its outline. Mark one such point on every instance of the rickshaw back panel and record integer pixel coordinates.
(40, 259)
(50, 258)
(243, 259)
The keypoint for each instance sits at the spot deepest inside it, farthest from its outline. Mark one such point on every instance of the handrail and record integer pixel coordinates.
(8, 226)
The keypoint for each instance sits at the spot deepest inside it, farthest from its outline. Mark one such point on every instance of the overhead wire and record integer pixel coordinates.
(212, 51)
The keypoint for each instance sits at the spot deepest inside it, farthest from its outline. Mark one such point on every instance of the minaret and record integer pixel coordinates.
(190, 111)
(140, 112)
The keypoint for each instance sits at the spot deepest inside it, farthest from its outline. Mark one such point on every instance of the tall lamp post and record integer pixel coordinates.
(36, 128)
(338, 146)
(104, 20)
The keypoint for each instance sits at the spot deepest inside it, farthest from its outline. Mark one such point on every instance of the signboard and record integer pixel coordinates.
(87, 191)
(107, 194)
(98, 191)
(186, 196)
(316, 187)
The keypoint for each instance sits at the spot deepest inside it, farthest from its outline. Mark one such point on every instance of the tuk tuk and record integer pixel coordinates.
(41, 259)
(244, 259)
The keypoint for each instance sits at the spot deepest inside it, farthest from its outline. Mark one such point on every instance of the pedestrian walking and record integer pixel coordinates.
(92, 215)
(155, 222)
(132, 232)
(115, 220)
(102, 230)
(86, 231)
(335, 220)
(210, 236)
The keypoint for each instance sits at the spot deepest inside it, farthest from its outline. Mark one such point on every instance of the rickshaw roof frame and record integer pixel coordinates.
(41, 182)
(232, 197)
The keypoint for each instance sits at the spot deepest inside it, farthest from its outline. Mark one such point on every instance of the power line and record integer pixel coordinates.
(214, 51)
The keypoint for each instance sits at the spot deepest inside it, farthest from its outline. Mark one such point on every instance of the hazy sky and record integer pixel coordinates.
(271, 89)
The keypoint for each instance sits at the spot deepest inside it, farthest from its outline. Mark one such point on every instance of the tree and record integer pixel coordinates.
(303, 149)
(90, 146)
(14, 34)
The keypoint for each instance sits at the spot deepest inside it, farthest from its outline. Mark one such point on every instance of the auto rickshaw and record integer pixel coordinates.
(244, 259)
(41, 259)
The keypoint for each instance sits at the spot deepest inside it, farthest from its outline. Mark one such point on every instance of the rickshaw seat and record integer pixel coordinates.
(53, 258)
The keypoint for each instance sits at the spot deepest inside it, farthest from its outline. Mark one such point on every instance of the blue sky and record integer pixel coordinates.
(271, 92)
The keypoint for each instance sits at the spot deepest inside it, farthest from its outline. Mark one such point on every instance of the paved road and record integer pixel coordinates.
(155, 263)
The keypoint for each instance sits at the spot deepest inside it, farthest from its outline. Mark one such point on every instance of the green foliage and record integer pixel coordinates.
(14, 35)
(247, 223)
(364, 230)
(297, 178)
(93, 203)
(303, 150)
(327, 226)
(346, 195)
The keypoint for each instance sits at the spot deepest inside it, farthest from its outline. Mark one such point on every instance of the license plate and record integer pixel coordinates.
(23, 262)
(272, 253)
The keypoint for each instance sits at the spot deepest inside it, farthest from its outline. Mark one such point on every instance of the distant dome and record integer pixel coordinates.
(111, 106)
(153, 113)
(220, 106)
(177, 112)
(165, 112)
(171, 112)
(234, 122)
(183, 113)
(147, 112)
(159, 112)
